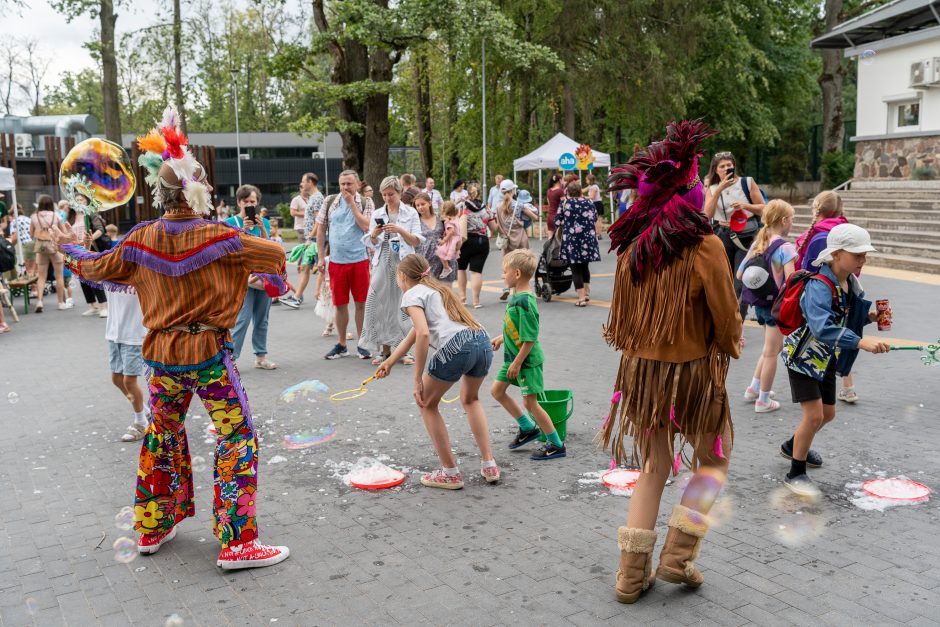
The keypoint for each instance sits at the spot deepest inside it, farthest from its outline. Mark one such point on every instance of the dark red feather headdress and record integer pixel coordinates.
(667, 216)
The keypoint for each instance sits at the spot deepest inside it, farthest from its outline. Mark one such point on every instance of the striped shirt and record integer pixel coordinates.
(186, 270)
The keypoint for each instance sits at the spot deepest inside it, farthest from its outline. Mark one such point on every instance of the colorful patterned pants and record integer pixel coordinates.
(164, 478)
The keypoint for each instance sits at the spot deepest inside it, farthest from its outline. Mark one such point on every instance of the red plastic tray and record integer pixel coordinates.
(620, 478)
(391, 483)
(919, 491)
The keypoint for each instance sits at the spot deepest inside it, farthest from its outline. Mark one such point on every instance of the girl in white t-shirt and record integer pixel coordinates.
(461, 352)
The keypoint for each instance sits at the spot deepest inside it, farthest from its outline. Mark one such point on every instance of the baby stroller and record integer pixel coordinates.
(552, 276)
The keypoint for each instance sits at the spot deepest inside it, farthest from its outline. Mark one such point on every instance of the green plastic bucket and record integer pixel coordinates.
(559, 405)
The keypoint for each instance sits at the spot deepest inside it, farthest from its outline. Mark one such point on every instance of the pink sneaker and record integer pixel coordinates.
(491, 474)
(149, 543)
(251, 555)
(440, 479)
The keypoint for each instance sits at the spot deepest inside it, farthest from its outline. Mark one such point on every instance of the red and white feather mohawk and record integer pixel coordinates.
(167, 147)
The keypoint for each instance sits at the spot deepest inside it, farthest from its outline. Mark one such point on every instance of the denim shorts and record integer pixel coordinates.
(126, 359)
(764, 316)
(472, 359)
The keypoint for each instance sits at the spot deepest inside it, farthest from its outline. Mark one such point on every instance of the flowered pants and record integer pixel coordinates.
(164, 478)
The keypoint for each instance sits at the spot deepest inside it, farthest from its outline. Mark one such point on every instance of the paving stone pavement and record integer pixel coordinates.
(538, 548)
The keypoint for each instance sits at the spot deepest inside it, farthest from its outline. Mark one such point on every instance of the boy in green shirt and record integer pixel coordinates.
(523, 358)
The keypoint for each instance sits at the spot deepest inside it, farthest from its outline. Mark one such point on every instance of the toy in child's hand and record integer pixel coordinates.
(930, 359)
(348, 395)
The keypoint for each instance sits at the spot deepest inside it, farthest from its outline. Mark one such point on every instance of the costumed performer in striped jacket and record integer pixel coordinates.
(190, 275)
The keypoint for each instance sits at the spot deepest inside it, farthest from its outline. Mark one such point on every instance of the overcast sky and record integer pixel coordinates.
(62, 41)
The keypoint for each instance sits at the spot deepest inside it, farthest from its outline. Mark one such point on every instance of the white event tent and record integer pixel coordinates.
(546, 156)
(8, 183)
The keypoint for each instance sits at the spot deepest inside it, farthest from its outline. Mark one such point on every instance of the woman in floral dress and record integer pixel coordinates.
(576, 218)
(432, 229)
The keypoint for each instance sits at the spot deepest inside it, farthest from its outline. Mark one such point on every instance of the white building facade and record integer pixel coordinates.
(897, 48)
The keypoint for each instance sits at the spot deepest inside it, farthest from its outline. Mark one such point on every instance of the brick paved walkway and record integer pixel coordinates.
(539, 548)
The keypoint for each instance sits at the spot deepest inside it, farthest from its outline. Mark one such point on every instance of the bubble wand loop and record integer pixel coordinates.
(348, 395)
(930, 359)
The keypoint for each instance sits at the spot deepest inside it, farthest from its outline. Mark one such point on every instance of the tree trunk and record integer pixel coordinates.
(178, 63)
(109, 78)
(423, 112)
(375, 165)
(569, 110)
(830, 81)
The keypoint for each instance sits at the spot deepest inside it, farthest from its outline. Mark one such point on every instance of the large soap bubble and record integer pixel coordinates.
(101, 171)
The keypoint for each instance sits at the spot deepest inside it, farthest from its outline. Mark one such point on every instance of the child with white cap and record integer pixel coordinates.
(832, 303)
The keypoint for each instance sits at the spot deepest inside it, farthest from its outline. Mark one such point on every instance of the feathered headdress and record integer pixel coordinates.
(662, 221)
(170, 165)
(79, 185)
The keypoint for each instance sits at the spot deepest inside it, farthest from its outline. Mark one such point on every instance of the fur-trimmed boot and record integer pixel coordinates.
(636, 561)
(687, 527)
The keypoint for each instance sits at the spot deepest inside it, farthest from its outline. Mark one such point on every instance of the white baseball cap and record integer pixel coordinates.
(506, 186)
(848, 237)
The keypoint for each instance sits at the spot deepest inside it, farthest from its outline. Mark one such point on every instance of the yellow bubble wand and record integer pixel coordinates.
(348, 395)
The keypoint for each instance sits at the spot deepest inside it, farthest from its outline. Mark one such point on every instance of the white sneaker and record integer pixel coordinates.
(91, 312)
(251, 555)
(69, 302)
(766, 408)
(63, 306)
(102, 313)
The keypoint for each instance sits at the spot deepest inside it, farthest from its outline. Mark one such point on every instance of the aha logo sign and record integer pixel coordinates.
(567, 161)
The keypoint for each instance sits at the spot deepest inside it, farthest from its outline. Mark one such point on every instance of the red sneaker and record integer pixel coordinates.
(251, 555)
(151, 542)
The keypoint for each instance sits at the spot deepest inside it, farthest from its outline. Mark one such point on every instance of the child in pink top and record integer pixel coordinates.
(446, 250)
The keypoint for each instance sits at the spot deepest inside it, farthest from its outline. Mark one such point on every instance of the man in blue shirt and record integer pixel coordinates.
(345, 221)
(492, 200)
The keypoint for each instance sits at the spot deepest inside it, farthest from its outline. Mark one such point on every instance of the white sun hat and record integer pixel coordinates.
(848, 237)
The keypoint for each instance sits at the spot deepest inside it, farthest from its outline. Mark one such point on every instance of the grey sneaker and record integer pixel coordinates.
(803, 486)
(289, 301)
(338, 351)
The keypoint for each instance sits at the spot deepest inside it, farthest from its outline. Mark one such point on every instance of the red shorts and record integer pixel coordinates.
(349, 276)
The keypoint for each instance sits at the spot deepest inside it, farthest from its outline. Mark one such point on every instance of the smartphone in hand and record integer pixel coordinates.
(251, 213)
(380, 221)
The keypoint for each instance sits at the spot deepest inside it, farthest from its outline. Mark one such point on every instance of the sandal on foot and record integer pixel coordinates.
(408, 360)
(380, 358)
(134, 432)
(264, 364)
(581, 303)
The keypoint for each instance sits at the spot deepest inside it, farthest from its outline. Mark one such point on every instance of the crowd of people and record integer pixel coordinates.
(693, 257)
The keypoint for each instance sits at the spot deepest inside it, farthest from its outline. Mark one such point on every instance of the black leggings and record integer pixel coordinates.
(580, 274)
(93, 293)
(735, 257)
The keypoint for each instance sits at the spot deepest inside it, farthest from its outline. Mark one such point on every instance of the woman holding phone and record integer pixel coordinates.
(257, 306)
(394, 232)
(734, 204)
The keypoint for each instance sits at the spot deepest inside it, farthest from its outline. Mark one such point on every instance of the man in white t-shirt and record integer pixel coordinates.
(298, 206)
(313, 199)
(125, 333)
(436, 199)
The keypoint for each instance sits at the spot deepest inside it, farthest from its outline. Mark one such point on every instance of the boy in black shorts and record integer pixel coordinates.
(811, 352)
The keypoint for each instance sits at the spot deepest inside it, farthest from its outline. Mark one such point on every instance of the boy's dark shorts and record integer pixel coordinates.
(805, 388)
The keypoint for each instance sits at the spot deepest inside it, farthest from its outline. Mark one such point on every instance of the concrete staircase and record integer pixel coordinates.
(904, 225)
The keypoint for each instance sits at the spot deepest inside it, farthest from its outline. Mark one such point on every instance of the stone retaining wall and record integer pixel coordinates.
(896, 158)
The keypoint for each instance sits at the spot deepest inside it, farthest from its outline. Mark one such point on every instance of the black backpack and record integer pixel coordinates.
(759, 287)
(7, 255)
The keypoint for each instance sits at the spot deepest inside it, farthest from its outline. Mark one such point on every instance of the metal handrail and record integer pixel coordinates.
(844, 185)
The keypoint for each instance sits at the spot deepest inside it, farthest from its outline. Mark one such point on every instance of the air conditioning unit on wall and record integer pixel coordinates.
(925, 73)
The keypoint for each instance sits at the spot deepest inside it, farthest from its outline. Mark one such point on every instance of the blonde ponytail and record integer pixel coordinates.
(827, 204)
(415, 267)
(505, 206)
(775, 212)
